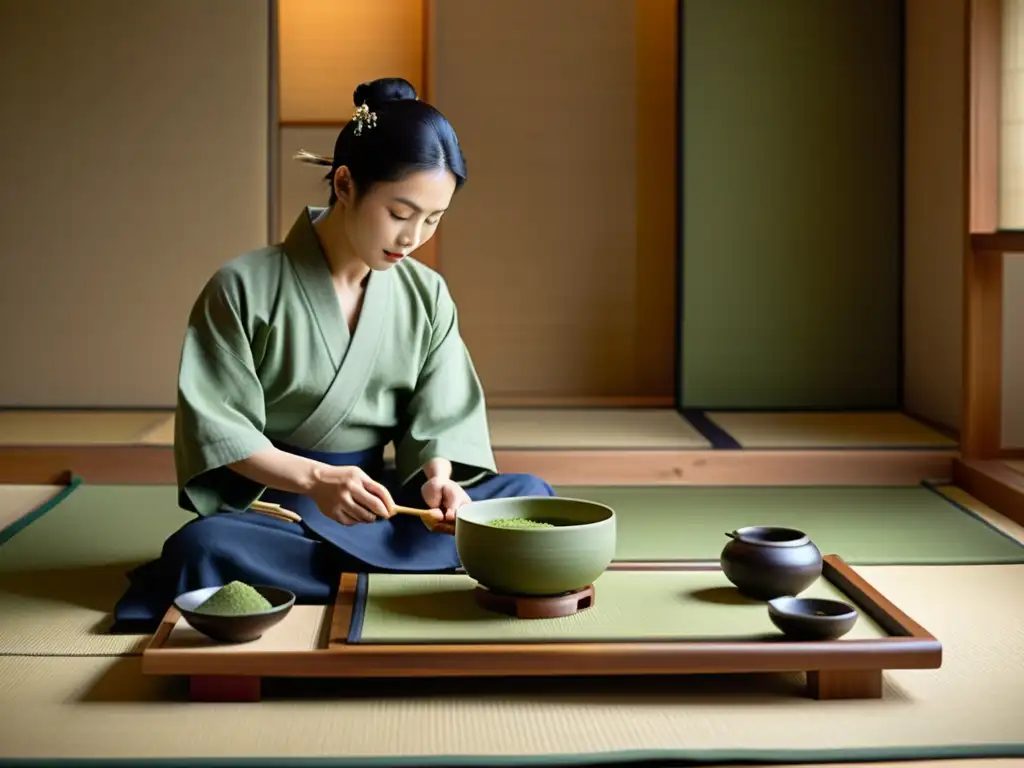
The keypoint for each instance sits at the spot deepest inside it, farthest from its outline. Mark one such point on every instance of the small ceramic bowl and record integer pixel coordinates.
(809, 618)
(765, 562)
(235, 629)
(536, 561)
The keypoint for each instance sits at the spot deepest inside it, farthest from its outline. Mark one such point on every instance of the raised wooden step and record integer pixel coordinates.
(997, 483)
(155, 464)
(566, 446)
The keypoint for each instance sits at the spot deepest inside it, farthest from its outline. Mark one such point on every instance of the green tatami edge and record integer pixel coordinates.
(625, 758)
(25, 521)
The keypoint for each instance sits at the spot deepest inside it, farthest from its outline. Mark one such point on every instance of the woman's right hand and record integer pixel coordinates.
(350, 496)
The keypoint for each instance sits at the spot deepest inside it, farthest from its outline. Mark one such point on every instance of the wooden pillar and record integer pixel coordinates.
(981, 429)
(981, 433)
(984, 57)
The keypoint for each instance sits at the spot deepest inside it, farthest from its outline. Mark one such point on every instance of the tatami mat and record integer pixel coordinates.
(61, 576)
(1010, 527)
(623, 429)
(16, 501)
(829, 430)
(631, 605)
(32, 427)
(542, 428)
(65, 611)
(97, 526)
(537, 428)
(84, 707)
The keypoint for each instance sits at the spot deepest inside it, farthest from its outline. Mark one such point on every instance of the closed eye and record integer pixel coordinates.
(430, 222)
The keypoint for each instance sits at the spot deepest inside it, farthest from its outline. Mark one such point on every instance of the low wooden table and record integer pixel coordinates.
(836, 669)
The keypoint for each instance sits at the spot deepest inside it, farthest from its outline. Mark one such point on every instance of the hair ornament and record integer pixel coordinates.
(363, 117)
(304, 156)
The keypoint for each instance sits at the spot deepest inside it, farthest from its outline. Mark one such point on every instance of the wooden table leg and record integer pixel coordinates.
(224, 688)
(845, 684)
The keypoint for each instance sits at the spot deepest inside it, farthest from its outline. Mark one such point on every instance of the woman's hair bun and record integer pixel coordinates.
(377, 92)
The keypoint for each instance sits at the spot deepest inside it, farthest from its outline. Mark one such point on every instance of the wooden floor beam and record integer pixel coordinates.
(155, 465)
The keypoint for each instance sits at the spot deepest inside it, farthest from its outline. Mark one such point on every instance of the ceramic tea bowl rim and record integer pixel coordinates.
(778, 606)
(738, 535)
(286, 605)
(556, 530)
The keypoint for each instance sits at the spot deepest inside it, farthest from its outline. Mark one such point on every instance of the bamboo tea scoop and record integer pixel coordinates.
(423, 514)
(276, 510)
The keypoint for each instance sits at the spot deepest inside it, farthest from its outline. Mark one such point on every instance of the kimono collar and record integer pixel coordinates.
(303, 250)
(302, 246)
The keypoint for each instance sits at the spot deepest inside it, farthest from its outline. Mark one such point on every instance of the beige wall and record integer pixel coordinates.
(300, 184)
(934, 209)
(134, 162)
(562, 266)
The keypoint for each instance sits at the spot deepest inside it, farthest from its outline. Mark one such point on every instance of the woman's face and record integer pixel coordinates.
(394, 218)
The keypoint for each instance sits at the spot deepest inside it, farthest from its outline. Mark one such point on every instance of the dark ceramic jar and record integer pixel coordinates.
(767, 562)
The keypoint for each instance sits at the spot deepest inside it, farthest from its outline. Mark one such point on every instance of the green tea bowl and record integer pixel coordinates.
(569, 555)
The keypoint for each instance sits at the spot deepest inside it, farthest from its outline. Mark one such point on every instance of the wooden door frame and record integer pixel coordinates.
(986, 246)
(981, 469)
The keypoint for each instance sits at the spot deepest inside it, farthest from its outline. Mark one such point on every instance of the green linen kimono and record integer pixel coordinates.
(268, 359)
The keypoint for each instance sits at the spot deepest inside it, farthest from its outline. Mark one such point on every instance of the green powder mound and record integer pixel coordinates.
(519, 522)
(234, 599)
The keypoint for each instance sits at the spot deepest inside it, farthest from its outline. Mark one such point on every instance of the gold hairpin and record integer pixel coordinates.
(303, 156)
(364, 117)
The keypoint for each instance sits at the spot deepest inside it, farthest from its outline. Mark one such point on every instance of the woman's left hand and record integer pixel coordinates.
(447, 496)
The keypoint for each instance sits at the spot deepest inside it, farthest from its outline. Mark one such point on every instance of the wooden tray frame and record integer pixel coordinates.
(835, 669)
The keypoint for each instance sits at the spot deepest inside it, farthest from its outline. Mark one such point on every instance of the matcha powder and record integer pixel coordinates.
(234, 599)
(519, 522)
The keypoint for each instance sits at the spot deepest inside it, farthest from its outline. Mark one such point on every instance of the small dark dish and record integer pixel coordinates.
(235, 629)
(810, 618)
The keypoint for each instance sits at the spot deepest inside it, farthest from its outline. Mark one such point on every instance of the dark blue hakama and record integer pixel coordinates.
(306, 558)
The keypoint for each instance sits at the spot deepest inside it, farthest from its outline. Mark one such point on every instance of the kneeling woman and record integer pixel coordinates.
(302, 360)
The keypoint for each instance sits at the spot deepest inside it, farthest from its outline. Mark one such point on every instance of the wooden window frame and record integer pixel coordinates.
(982, 470)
